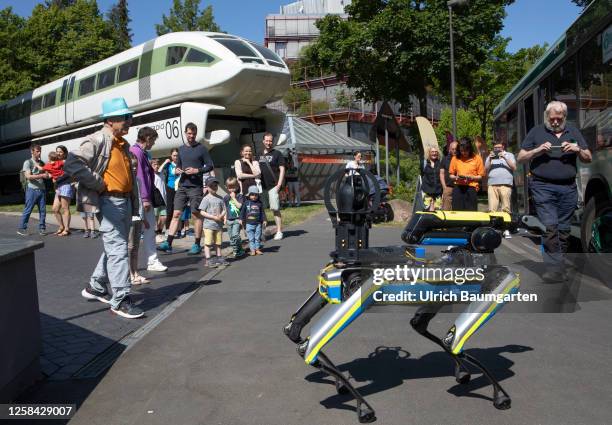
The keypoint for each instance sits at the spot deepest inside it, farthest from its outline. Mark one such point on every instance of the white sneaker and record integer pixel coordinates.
(507, 234)
(157, 266)
(278, 236)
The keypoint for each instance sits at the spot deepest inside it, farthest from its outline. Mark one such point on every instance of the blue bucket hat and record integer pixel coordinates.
(115, 108)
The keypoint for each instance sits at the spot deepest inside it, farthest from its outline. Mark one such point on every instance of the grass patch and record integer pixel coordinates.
(19, 208)
(296, 215)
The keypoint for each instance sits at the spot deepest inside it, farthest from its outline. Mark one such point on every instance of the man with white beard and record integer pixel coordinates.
(552, 149)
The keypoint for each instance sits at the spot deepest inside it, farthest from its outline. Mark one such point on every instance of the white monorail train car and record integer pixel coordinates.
(218, 81)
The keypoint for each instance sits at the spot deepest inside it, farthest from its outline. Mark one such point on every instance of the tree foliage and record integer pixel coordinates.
(119, 22)
(468, 124)
(14, 67)
(60, 37)
(391, 49)
(494, 78)
(582, 3)
(187, 16)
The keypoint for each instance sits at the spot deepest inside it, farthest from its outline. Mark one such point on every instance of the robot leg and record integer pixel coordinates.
(477, 314)
(419, 323)
(302, 316)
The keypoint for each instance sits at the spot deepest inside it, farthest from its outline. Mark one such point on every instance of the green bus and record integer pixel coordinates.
(577, 70)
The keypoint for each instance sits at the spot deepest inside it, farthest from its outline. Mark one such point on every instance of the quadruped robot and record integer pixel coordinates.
(346, 283)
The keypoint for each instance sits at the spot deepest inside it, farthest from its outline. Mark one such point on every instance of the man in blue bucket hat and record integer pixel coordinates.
(103, 168)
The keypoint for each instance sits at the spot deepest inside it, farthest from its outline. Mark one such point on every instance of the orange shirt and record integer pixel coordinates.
(118, 174)
(470, 167)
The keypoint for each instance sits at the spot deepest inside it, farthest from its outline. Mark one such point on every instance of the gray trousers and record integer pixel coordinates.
(115, 218)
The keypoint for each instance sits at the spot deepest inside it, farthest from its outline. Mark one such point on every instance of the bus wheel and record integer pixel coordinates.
(596, 227)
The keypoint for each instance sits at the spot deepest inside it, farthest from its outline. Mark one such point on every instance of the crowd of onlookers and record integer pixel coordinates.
(140, 200)
(452, 182)
(135, 197)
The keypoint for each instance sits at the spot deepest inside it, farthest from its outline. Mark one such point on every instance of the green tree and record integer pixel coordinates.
(468, 124)
(119, 21)
(186, 16)
(61, 40)
(391, 49)
(582, 3)
(496, 77)
(295, 98)
(14, 68)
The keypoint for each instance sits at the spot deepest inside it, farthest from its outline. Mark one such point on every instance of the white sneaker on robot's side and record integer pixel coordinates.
(278, 236)
(157, 266)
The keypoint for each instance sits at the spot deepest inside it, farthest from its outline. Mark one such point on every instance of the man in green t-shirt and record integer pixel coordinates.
(35, 193)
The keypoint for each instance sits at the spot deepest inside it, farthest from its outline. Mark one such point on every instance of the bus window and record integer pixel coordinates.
(543, 98)
(513, 141)
(595, 87)
(529, 115)
(564, 87)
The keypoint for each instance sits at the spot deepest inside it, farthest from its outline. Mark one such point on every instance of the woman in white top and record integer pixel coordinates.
(247, 170)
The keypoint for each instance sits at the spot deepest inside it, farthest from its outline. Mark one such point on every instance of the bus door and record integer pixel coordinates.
(67, 99)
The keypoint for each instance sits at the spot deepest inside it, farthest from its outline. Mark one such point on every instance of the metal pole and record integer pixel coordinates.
(397, 156)
(452, 70)
(386, 152)
(377, 149)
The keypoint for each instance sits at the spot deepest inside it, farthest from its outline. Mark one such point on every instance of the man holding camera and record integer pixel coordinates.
(551, 150)
(499, 166)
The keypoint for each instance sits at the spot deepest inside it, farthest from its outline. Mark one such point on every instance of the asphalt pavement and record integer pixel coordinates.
(221, 357)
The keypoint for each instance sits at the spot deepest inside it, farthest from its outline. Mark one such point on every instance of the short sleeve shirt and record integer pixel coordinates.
(276, 160)
(555, 166)
(28, 166)
(214, 205)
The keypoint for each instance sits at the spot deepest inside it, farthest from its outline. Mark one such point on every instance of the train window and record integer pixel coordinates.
(270, 56)
(86, 86)
(237, 47)
(106, 79)
(127, 71)
(49, 100)
(36, 104)
(198, 56)
(175, 55)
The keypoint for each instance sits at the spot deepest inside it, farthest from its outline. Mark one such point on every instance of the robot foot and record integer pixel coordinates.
(461, 376)
(502, 402)
(365, 414)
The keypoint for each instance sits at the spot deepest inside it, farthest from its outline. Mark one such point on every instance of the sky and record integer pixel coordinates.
(528, 22)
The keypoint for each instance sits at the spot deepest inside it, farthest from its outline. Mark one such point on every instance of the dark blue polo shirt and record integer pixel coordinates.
(554, 166)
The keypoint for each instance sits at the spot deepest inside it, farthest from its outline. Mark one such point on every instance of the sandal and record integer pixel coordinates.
(65, 233)
(139, 280)
(59, 231)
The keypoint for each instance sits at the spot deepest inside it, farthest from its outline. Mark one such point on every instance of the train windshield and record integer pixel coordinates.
(241, 49)
(272, 58)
